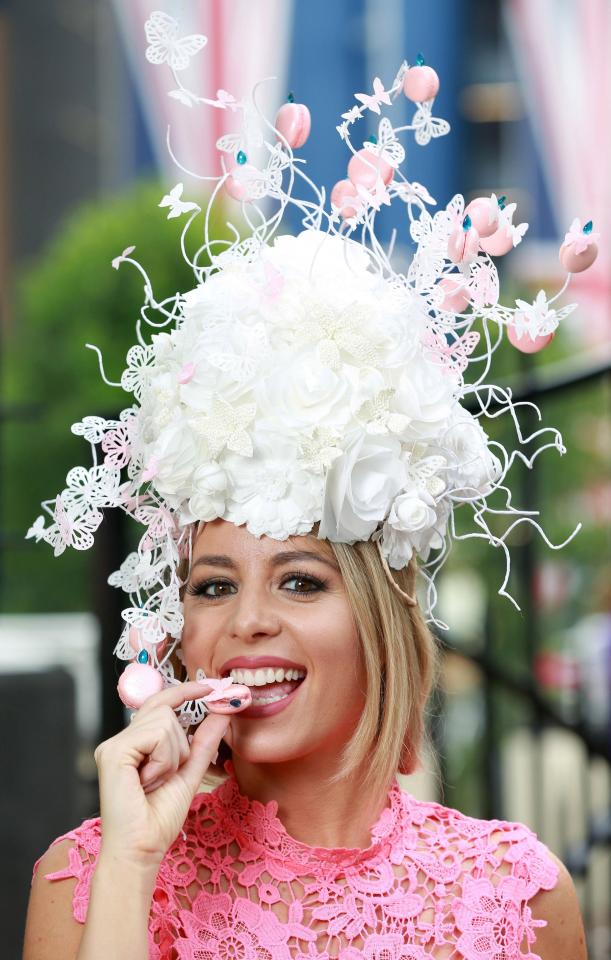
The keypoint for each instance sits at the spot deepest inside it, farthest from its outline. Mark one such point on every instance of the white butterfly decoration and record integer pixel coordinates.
(37, 530)
(96, 487)
(387, 146)
(427, 126)
(506, 220)
(176, 205)
(72, 531)
(242, 367)
(138, 571)
(148, 622)
(93, 429)
(372, 102)
(483, 283)
(140, 361)
(165, 46)
(351, 115)
(425, 473)
(413, 192)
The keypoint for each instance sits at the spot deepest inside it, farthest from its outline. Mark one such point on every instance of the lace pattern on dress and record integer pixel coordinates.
(433, 883)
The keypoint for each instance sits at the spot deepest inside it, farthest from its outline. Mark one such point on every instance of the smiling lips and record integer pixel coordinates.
(270, 679)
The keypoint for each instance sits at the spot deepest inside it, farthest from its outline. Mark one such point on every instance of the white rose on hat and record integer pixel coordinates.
(360, 486)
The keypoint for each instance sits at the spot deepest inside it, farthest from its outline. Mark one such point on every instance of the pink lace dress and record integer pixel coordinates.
(432, 883)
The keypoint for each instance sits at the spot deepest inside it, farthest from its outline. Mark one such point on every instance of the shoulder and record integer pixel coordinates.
(71, 857)
(562, 936)
(52, 926)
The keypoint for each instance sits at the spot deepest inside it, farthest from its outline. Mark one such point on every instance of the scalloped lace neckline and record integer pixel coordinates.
(259, 826)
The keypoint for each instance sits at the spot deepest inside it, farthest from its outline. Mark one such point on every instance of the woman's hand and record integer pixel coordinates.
(149, 774)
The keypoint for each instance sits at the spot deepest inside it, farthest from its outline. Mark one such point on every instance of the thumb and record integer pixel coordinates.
(204, 747)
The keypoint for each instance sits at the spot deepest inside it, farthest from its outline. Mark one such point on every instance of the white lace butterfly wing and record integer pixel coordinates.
(389, 146)
(427, 126)
(165, 44)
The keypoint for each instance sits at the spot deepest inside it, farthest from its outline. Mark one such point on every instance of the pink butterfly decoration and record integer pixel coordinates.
(219, 688)
(379, 96)
(186, 372)
(452, 356)
(151, 469)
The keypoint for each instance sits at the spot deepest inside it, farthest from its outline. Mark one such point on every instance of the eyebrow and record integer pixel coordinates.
(278, 560)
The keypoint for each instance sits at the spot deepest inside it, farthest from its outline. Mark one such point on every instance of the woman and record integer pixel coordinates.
(418, 888)
(298, 433)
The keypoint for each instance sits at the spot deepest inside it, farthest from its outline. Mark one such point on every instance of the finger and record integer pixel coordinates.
(163, 758)
(204, 748)
(176, 695)
(180, 752)
(151, 787)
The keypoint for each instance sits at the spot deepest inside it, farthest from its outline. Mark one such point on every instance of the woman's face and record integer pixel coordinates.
(285, 601)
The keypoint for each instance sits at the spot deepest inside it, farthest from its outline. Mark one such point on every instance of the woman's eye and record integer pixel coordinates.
(215, 589)
(302, 584)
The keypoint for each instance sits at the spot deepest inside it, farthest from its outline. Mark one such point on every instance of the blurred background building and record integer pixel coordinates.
(522, 718)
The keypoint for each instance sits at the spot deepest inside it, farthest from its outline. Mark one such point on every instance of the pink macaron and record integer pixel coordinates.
(574, 262)
(366, 167)
(456, 295)
(293, 122)
(345, 197)
(239, 183)
(484, 213)
(525, 343)
(499, 243)
(137, 683)
(463, 245)
(420, 83)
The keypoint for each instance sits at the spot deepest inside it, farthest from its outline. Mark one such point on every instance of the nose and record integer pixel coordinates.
(253, 617)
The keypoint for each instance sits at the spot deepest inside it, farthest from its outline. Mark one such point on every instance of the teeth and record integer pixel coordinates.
(265, 675)
(260, 701)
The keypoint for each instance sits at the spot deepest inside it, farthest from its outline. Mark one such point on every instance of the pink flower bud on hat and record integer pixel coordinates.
(420, 82)
(365, 167)
(525, 343)
(345, 197)
(484, 213)
(456, 295)
(293, 122)
(463, 245)
(579, 250)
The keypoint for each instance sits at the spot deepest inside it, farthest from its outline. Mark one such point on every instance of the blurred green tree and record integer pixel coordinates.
(70, 297)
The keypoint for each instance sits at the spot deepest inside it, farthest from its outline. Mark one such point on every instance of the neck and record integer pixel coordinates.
(313, 811)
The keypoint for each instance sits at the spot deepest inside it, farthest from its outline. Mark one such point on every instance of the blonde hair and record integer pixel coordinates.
(399, 656)
(400, 660)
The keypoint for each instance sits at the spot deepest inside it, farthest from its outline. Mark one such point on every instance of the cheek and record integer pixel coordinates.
(197, 643)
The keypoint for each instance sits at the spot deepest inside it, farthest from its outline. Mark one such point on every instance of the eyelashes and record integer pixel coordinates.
(203, 589)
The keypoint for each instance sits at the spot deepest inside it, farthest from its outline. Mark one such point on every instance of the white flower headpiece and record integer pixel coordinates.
(303, 380)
